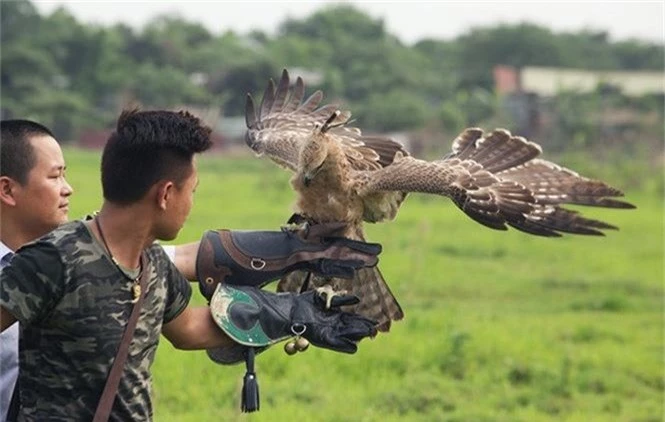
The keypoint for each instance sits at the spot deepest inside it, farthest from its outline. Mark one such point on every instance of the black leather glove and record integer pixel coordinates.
(254, 258)
(330, 328)
(254, 317)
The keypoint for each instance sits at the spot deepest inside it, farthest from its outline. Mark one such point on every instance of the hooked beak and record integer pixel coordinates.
(308, 176)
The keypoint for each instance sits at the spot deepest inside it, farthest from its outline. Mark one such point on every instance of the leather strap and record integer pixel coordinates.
(111, 388)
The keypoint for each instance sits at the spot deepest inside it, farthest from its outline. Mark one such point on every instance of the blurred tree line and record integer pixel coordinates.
(74, 76)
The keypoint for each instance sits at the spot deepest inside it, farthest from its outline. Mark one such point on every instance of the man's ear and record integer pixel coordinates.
(7, 190)
(164, 192)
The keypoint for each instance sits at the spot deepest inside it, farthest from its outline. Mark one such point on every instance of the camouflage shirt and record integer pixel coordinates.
(73, 304)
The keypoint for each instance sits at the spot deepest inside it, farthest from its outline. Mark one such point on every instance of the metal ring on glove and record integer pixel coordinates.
(298, 329)
(257, 263)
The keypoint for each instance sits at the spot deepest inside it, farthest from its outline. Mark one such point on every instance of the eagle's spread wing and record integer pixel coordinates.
(497, 181)
(284, 120)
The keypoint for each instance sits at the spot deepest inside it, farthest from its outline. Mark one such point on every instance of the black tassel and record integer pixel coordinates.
(250, 387)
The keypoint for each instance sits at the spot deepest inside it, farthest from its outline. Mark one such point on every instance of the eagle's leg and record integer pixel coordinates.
(295, 222)
(329, 293)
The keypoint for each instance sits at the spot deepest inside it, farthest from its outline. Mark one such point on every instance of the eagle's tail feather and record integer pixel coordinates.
(377, 302)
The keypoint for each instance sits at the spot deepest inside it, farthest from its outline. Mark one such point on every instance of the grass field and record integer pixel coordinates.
(500, 326)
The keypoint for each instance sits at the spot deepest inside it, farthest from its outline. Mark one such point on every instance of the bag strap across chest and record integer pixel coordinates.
(111, 388)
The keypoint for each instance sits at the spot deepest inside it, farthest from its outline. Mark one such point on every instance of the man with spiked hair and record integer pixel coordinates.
(74, 289)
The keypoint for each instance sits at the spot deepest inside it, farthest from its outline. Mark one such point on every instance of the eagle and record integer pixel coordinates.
(341, 175)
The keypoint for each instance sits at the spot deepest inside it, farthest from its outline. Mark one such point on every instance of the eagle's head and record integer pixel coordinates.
(315, 151)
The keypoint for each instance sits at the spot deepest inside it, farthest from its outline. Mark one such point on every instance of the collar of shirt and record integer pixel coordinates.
(4, 250)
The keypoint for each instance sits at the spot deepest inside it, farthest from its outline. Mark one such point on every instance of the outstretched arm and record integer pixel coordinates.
(194, 329)
(185, 259)
(257, 257)
(275, 315)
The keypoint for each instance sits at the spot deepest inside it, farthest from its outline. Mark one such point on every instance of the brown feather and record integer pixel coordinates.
(296, 97)
(267, 100)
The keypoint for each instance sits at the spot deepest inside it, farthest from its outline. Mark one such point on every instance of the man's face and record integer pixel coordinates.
(179, 206)
(44, 200)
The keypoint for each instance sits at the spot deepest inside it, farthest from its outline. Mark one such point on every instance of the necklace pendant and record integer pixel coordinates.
(136, 290)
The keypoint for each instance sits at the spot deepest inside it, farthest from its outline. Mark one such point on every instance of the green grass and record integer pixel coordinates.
(500, 326)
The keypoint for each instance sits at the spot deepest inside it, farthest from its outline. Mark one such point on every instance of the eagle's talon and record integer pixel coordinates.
(296, 227)
(329, 294)
(290, 227)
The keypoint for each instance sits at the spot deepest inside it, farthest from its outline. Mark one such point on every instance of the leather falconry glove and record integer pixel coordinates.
(256, 319)
(254, 258)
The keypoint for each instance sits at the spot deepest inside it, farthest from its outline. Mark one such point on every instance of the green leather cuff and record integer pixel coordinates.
(238, 315)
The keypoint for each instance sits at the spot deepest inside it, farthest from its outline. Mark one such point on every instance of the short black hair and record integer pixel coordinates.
(149, 146)
(17, 155)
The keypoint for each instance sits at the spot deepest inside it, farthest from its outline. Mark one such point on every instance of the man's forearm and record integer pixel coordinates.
(194, 329)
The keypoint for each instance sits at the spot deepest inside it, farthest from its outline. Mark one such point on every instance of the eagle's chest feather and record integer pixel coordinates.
(329, 197)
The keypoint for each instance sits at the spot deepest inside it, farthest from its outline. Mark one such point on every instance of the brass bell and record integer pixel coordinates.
(301, 344)
(290, 348)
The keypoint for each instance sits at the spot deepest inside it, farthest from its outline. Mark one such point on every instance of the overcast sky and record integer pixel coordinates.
(409, 21)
